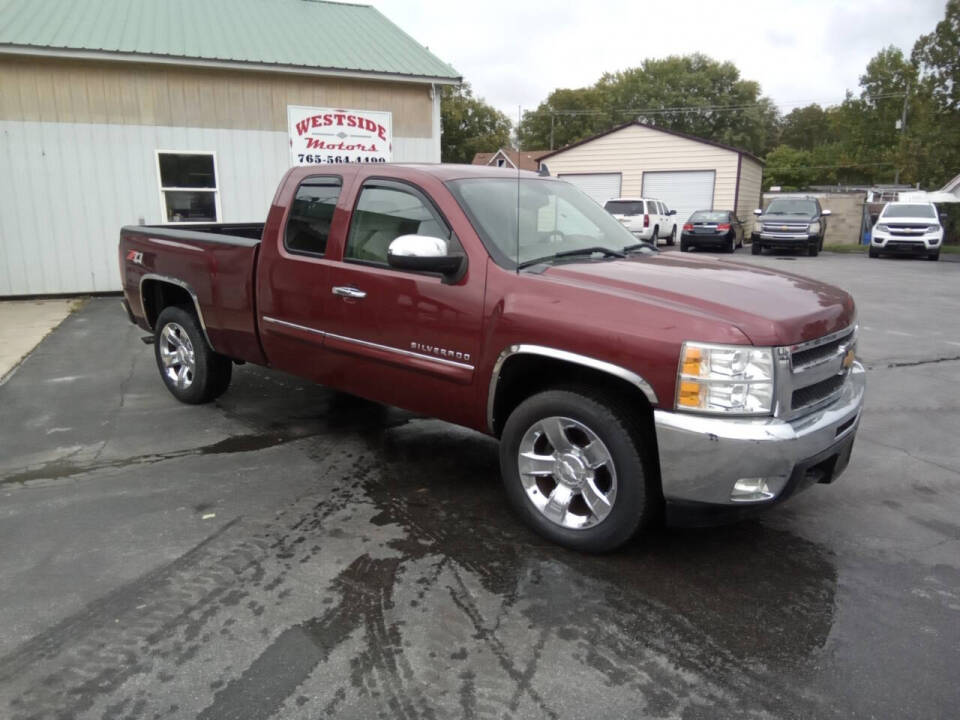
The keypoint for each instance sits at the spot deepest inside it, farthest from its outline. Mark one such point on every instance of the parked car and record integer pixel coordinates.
(713, 229)
(790, 223)
(912, 228)
(646, 219)
(622, 382)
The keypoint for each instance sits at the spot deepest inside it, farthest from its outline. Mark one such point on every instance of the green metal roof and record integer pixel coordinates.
(310, 34)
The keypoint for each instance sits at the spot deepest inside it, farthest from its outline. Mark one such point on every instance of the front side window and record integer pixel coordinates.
(188, 187)
(384, 213)
(527, 219)
(308, 226)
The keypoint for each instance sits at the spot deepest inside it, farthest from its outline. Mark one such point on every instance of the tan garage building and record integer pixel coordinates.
(686, 173)
(115, 113)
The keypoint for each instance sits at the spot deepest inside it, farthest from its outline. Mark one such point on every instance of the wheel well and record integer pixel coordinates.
(524, 375)
(158, 294)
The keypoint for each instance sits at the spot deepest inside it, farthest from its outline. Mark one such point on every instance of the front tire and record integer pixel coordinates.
(755, 248)
(191, 370)
(873, 253)
(672, 240)
(814, 249)
(934, 256)
(573, 469)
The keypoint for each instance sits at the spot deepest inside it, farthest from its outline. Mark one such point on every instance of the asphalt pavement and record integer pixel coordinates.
(292, 552)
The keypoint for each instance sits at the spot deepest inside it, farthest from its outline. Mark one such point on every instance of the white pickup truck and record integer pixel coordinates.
(907, 228)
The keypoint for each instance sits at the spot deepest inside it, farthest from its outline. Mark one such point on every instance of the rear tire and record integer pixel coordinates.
(191, 370)
(684, 247)
(656, 235)
(585, 485)
(755, 248)
(732, 247)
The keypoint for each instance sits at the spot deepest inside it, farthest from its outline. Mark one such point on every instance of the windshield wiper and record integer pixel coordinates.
(605, 251)
(641, 246)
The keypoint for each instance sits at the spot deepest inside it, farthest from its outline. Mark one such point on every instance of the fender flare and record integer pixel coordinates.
(574, 358)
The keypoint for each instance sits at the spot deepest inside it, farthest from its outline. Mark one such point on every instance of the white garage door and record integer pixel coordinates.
(685, 192)
(600, 186)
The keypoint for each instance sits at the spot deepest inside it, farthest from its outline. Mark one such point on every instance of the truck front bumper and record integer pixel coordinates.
(711, 463)
(780, 240)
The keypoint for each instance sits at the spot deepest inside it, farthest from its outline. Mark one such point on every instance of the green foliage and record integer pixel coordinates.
(649, 93)
(469, 125)
(806, 128)
(787, 167)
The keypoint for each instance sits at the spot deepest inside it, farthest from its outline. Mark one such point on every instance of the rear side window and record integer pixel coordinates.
(652, 207)
(384, 213)
(308, 225)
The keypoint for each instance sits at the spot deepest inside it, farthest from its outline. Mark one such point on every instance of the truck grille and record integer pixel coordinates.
(907, 230)
(813, 373)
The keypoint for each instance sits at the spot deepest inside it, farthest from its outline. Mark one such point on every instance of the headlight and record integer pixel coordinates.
(933, 228)
(814, 228)
(725, 379)
(882, 228)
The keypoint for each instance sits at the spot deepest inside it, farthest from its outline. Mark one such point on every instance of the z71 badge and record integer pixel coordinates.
(135, 256)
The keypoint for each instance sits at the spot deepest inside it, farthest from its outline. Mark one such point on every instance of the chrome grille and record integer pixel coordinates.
(812, 374)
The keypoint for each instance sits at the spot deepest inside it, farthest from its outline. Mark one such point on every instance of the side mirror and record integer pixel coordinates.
(422, 253)
(825, 213)
(672, 212)
(544, 170)
(758, 212)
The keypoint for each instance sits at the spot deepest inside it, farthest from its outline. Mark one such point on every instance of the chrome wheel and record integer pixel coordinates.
(177, 355)
(567, 472)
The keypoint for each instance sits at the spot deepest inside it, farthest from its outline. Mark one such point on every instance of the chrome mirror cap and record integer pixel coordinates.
(422, 246)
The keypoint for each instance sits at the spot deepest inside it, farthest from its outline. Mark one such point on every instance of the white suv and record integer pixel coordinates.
(647, 219)
(907, 227)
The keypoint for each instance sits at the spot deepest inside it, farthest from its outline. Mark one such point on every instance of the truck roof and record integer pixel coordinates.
(441, 171)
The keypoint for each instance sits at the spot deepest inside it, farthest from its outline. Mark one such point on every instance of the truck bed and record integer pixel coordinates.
(215, 263)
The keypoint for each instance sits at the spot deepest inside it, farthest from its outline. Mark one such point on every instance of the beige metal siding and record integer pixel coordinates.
(635, 149)
(751, 176)
(72, 91)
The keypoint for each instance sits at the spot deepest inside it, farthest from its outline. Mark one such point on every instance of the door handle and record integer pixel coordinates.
(349, 292)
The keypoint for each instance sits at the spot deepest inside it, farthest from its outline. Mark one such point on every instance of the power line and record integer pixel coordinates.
(775, 168)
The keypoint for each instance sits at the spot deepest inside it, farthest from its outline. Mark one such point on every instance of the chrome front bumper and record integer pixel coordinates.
(702, 458)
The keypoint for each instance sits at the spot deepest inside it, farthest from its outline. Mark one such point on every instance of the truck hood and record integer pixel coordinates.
(769, 307)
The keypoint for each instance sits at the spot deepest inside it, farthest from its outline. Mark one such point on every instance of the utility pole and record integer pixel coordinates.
(552, 116)
(902, 128)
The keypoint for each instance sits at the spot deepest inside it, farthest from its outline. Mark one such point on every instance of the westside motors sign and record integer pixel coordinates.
(327, 136)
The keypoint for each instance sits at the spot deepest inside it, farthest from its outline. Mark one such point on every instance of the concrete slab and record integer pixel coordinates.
(24, 323)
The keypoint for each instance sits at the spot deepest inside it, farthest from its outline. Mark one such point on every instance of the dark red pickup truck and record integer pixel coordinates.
(620, 381)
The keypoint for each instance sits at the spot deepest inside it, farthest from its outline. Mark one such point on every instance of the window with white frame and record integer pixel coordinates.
(188, 186)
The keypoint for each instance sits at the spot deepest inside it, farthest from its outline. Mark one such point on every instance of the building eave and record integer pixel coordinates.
(202, 63)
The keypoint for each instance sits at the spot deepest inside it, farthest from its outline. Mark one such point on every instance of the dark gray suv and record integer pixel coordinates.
(790, 223)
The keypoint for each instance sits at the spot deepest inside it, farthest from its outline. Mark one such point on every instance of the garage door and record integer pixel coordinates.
(600, 186)
(685, 192)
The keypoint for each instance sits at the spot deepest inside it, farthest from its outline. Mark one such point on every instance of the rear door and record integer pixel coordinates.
(404, 338)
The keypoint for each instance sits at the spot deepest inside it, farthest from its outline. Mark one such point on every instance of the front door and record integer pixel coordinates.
(404, 338)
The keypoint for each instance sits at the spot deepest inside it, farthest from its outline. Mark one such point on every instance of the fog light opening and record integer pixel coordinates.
(755, 489)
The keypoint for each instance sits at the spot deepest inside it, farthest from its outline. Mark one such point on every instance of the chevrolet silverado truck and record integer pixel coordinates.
(790, 223)
(626, 386)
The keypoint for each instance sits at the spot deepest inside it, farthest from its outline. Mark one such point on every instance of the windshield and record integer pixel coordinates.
(624, 207)
(792, 206)
(554, 217)
(908, 211)
(709, 216)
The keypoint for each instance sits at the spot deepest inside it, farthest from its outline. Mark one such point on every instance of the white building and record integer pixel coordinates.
(115, 113)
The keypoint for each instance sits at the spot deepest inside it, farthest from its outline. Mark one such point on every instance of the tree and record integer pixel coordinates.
(787, 167)
(469, 125)
(806, 128)
(693, 94)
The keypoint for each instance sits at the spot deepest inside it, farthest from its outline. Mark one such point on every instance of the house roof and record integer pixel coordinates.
(522, 159)
(658, 129)
(266, 34)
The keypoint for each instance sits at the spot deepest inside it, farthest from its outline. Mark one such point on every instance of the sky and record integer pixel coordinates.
(800, 51)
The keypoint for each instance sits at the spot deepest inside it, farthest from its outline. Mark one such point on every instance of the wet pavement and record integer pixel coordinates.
(292, 552)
